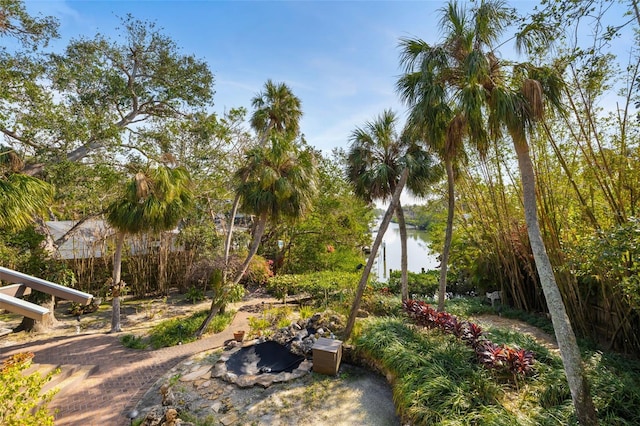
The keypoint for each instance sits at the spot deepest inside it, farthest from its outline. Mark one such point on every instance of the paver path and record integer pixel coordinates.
(124, 375)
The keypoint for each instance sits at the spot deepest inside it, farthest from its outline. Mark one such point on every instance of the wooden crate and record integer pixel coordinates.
(327, 354)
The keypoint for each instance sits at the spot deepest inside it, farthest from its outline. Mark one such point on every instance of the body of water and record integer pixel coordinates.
(419, 256)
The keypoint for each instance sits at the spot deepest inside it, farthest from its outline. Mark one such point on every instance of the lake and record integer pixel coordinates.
(418, 254)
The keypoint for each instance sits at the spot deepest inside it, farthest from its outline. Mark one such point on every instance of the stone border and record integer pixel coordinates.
(248, 380)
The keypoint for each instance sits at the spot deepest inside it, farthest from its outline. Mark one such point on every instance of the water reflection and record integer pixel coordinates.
(419, 256)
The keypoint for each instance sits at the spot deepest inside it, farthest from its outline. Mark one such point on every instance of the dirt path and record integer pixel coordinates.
(540, 336)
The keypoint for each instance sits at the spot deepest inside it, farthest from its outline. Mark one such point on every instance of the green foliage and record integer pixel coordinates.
(21, 401)
(22, 197)
(426, 216)
(438, 382)
(181, 330)
(465, 307)
(615, 382)
(330, 237)
(259, 325)
(133, 342)
(418, 283)
(380, 303)
(194, 295)
(306, 312)
(258, 273)
(277, 317)
(612, 256)
(323, 287)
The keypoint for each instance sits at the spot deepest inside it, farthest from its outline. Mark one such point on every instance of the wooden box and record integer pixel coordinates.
(327, 354)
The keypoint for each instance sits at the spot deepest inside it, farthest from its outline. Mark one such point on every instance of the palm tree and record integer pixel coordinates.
(22, 196)
(375, 162)
(278, 182)
(155, 200)
(464, 72)
(276, 117)
(276, 110)
(406, 164)
(281, 182)
(429, 72)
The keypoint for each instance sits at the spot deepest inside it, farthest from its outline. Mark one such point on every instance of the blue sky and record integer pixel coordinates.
(340, 58)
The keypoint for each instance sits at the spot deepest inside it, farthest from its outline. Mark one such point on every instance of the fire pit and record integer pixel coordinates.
(262, 363)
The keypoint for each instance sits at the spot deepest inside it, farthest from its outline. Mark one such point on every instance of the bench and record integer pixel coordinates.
(22, 307)
(45, 286)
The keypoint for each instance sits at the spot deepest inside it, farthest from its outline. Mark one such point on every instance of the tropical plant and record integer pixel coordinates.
(375, 161)
(22, 402)
(383, 164)
(154, 200)
(23, 196)
(487, 101)
(276, 111)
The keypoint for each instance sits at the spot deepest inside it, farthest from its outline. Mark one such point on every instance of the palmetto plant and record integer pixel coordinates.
(154, 200)
(21, 196)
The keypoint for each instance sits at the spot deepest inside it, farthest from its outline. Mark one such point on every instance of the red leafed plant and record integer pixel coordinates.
(517, 362)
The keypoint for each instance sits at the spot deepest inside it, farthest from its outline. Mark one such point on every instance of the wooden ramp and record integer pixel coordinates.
(23, 284)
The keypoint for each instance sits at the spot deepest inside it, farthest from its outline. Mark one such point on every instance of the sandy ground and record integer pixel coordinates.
(353, 397)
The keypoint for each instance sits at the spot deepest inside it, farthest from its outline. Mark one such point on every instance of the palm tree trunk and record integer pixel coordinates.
(257, 236)
(402, 224)
(442, 289)
(216, 304)
(569, 350)
(395, 200)
(117, 269)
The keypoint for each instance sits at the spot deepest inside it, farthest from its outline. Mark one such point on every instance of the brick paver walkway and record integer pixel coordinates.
(124, 375)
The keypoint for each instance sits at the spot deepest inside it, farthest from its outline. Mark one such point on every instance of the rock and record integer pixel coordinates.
(265, 380)
(229, 419)
(216, 406)
(199, 372)
(171, 418)
(205, 384)
(168, 398)
(219, 370)
(246, 380)
(153, 417)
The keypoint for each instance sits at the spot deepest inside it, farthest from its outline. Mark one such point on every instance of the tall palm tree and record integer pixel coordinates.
(430, 71)
(406, 164)
(484, 98)
(155, 200)
(281, 182)
(278, 182)
(276, 116)
(276, 110)
(375, 161)
(21, 196)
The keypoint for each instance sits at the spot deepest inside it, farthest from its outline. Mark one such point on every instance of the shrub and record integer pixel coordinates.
(21, 401)
(435, 382)
(133, 342)
(323, 287)
(417, 283)
(181, 330)
(502, 358)
(259, 271)
(194, 295)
